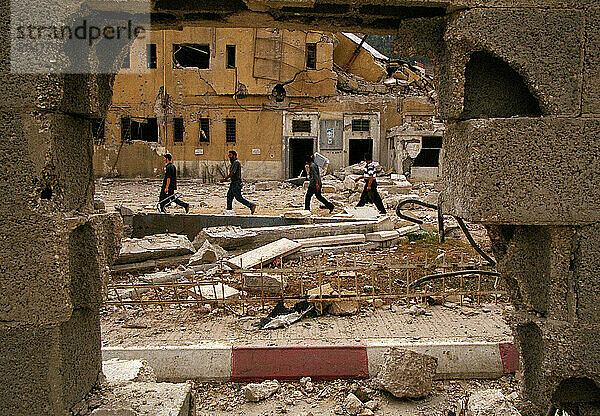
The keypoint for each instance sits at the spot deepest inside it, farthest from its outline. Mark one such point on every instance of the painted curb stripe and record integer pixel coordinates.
(286, 363)
(509, 356)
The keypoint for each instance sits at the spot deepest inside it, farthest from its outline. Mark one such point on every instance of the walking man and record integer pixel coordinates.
(167, 192)
(235, 187)
(369, 193)
(315, 185)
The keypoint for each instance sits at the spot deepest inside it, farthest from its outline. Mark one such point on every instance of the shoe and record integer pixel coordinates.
(187, 208)
(252, 209)
(331, 209)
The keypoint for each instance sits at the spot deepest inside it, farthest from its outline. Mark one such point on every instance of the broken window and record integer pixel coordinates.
(429, 157)
(145, 129)
(191, 55)
(311, 56)
(178, 129)
(151, 55)
(361, 124)
(230, 130)
(97, 126)
(301, 126)
(204, 130)
(230, 50)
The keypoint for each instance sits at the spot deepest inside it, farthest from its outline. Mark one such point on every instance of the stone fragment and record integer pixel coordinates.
(271, 284)
(207, 253)
(297, 214)
(362, 212)
(264, 254)
(227, 237)
(328, 189)
(344, 307)
(218, 291)
(349, 183)
(378, 303)
(255, 392)
(153, 247)
(372, 405)
(366, 412)
(406, 373)
(307, 384)
(491, 402)
(122, 371)
(352, 405)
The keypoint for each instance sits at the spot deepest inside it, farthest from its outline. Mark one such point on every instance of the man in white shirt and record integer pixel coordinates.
(369, 193)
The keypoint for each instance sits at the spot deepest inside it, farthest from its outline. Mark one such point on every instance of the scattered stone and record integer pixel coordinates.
(123, 210)
(99, 205)
(153, 247)
(228, 237)
(255, 392)
(271, 284)
(297, 214)
(491, 402)
(366, 412)
(328, 189)
(307, 384)
(352, 405)
(218, 291)
(378, 303)
(366, 211)
(416, 310)
(344, 307)
(372, 405)
(406, 373)
(207, 253)
(325, 291)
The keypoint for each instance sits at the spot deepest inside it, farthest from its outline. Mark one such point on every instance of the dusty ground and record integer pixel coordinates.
(220, 399)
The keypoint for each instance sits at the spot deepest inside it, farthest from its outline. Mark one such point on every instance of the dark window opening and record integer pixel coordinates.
(178, 129)
(97, 126)
(46, 193)
(361, 124)
(493, 89)
(230, 49)
(125, 128)
(230, 130)
(311, 56)
(301, 126)
(151, 55)
(429, 156)
(145, 129)
(299, 149)
(191, 55)
(358, 148)
(204, 130)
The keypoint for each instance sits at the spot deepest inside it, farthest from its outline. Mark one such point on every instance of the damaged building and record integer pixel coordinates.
(273, 95)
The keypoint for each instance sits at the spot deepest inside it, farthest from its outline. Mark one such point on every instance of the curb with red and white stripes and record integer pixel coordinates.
(224, 362)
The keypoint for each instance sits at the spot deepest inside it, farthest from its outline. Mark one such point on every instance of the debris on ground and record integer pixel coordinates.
(256, 392)
(282, 317)
(352, 405)
(264, 254)
(119, 371)
(406, 373)
(491, 402)
(227, 237)
(153, 247)
(207, 253)
(259, 283)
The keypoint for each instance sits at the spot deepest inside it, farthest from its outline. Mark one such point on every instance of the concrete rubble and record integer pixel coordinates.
(153, 247)
(256, 392)
(406, 373)
(124, 371)
(227, 237)
(491, 402)
(264, 254)
(207, 253)
(266, 283)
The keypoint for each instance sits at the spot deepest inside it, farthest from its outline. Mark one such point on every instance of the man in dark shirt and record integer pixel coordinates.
(169, 185)
(235, 187)
(369, 192)
(314, 185)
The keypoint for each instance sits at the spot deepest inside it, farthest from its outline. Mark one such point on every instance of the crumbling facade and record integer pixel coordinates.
(272, 95)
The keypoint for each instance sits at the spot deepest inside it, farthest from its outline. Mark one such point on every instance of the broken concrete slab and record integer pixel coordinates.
(352, 405)
(380, 236)
(227, 237)
(406, 373)
(335, 240)
(218, 291)
(490, 402)
(255, 392)
(317, 251)
(362, 212)
(152, 247)
(119, 371)
(150, 264)
(264, 254)
(156, 399)
(324, 290)
(344, 307)
(271, 284)
(207, 253)
(297, 214)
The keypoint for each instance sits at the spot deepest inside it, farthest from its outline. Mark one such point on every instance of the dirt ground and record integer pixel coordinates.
(220, 399)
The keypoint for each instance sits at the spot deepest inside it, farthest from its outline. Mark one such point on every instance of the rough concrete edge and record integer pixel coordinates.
(482, 359)
(209, 361)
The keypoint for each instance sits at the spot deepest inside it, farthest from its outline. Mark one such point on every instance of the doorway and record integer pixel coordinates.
(299, 149)
(357, 149)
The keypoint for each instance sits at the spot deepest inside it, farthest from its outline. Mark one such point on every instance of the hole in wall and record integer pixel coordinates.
(493, 89)
(46, 193)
